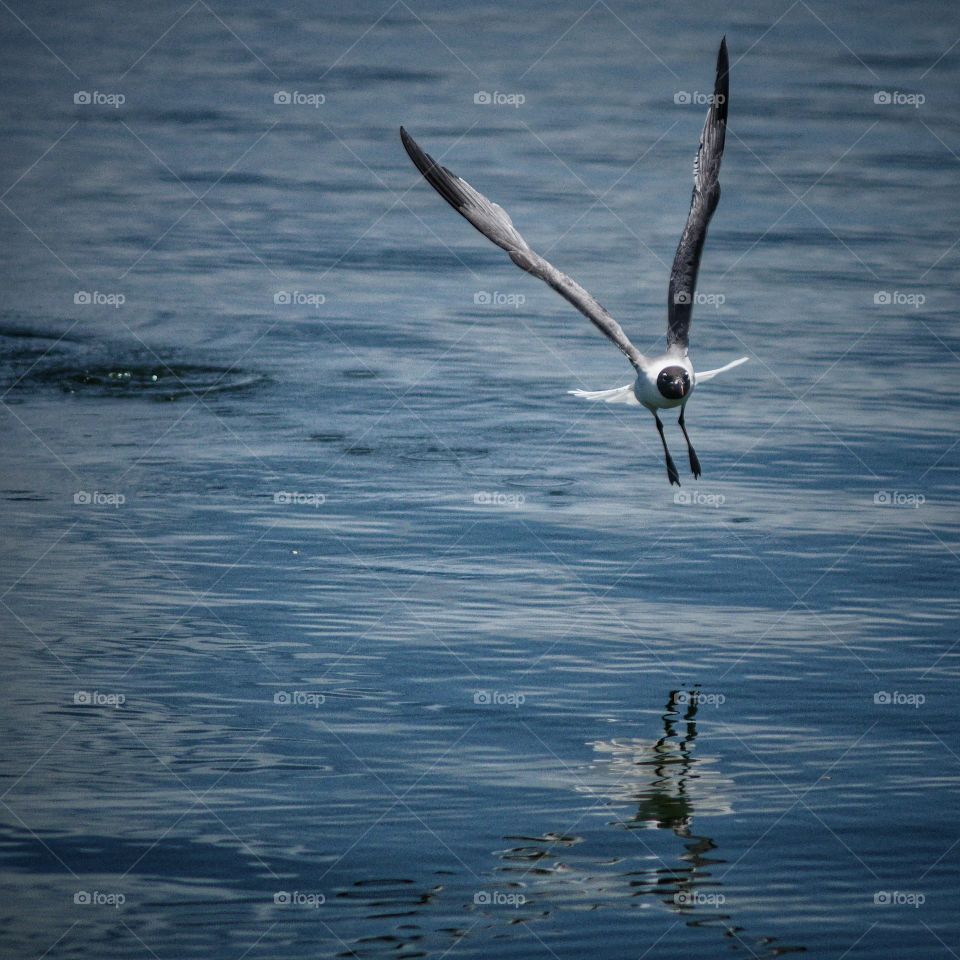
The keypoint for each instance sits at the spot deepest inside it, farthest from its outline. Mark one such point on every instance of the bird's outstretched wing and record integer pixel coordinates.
(706, 196)
(494, 223)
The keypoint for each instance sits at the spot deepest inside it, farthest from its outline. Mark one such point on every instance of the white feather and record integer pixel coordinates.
(710, 374)
(616, 395)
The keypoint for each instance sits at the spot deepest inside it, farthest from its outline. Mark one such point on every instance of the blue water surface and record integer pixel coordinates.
(334, 627)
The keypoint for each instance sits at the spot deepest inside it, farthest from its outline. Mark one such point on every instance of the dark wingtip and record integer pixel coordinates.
(721, 87)
(410, 145)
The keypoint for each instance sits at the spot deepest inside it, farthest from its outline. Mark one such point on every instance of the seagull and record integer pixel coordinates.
(662, 382)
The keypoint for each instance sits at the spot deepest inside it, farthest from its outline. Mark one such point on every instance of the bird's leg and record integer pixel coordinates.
(672, 474)
(694, 459)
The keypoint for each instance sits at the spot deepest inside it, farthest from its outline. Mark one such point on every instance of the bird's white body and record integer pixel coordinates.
(644, 391)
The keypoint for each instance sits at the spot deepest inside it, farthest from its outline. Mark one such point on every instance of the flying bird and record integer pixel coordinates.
(662, 382)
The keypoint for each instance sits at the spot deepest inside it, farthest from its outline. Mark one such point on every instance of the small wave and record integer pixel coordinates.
(157, 381)
(432, 452)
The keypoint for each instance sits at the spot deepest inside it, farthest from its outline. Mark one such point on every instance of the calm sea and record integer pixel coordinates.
(334, 626)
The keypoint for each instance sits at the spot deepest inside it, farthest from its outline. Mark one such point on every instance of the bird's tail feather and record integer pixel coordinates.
(616, 395)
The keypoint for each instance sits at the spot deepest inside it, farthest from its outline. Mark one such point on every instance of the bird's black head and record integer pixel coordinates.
(673, 383)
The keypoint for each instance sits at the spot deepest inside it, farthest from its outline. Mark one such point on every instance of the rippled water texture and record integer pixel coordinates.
(334, 626)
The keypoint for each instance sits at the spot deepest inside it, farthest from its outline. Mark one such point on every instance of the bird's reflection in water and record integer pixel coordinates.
(667, 803)
(683, 784)
(666, 784)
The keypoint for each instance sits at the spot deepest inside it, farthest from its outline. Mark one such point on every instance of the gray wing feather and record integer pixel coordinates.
(706, 196)
(495, 224)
